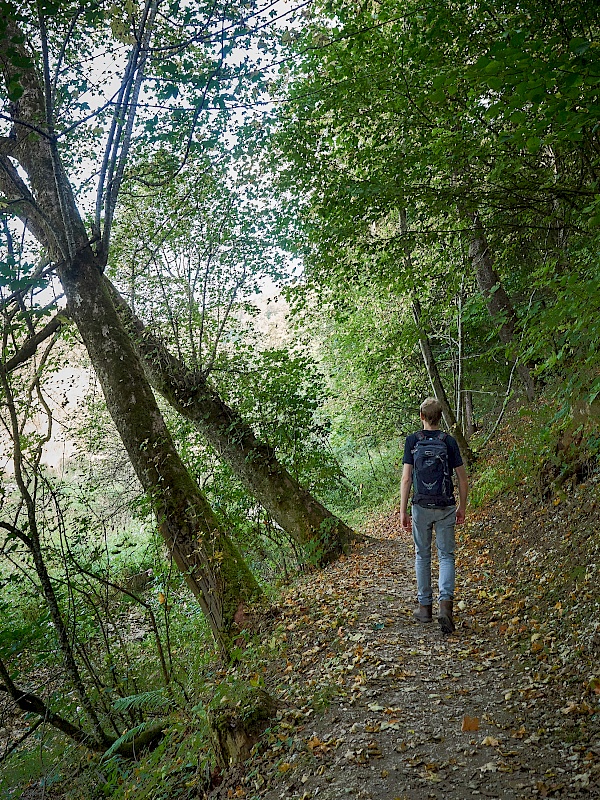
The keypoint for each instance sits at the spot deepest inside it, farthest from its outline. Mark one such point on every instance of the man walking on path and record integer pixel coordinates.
(430, 456)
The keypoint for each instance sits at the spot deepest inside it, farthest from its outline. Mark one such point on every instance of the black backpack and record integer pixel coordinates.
(432, 482)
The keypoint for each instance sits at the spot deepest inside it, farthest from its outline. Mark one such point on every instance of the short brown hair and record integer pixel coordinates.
(431, 410)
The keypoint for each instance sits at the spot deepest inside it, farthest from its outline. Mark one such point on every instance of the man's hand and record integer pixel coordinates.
(405, 520)
(460, 516)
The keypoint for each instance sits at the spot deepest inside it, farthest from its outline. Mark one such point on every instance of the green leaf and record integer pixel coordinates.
(518, 117)
(437, 97)
(579, 45)
(20, 61)
(533, 144)
(15, 89)
(151, 701)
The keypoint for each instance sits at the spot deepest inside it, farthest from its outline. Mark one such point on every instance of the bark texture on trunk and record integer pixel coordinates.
(498, 302)
(470, 427)
(256, 465)
(236, 723)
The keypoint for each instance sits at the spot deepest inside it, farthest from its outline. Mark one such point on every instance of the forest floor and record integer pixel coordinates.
(375, 705)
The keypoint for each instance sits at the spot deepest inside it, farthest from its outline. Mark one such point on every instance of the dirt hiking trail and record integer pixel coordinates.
(380, 707)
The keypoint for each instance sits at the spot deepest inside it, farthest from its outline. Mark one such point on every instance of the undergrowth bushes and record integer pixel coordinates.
(540, 449)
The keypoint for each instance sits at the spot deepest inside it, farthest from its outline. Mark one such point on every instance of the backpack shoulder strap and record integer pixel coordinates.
(419, 438)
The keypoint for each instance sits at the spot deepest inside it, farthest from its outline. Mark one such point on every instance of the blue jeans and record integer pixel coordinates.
(423, 522)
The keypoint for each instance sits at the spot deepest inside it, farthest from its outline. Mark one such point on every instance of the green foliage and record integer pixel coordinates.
(371, 477)
(438, 112)
(529, 454)
(280, 393)
(565, 339)
(175, 770)
(432, 112)
(153, 701)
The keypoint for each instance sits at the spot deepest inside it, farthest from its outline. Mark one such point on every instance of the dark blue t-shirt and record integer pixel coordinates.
(454, 456)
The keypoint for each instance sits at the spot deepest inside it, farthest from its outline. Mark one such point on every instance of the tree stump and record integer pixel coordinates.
(237, 716)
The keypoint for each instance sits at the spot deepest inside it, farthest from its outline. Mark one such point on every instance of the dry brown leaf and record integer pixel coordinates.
(490, 741)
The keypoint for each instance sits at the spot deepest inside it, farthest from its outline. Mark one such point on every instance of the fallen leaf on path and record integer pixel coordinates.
(594, 684)
(490, 741)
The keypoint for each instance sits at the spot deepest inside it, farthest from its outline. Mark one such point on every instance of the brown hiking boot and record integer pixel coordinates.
(445, 618)
(423, 613)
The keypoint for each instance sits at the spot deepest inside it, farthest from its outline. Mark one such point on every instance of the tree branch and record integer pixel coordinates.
(15, 190)
(32, 704)
(21, 739)
(31, 345)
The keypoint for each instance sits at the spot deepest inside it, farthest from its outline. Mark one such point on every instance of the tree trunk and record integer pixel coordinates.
(46, 204)
(212, 567)
(237, 720)
(294, 509)
(499, 306)
(460, 379)
(438, 387)
(470, 426)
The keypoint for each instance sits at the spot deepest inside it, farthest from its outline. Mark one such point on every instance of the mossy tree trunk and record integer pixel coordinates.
(304, 518)
(237, 716)
(211, 565)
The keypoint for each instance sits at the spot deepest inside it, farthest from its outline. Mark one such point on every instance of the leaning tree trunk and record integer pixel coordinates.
(438, 387)
(497, 300)
(304, 518)
(431, 365)
(46, 204)
(211, 565)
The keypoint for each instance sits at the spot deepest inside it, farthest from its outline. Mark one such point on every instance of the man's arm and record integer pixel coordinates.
(463, 490)
(404, 493)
